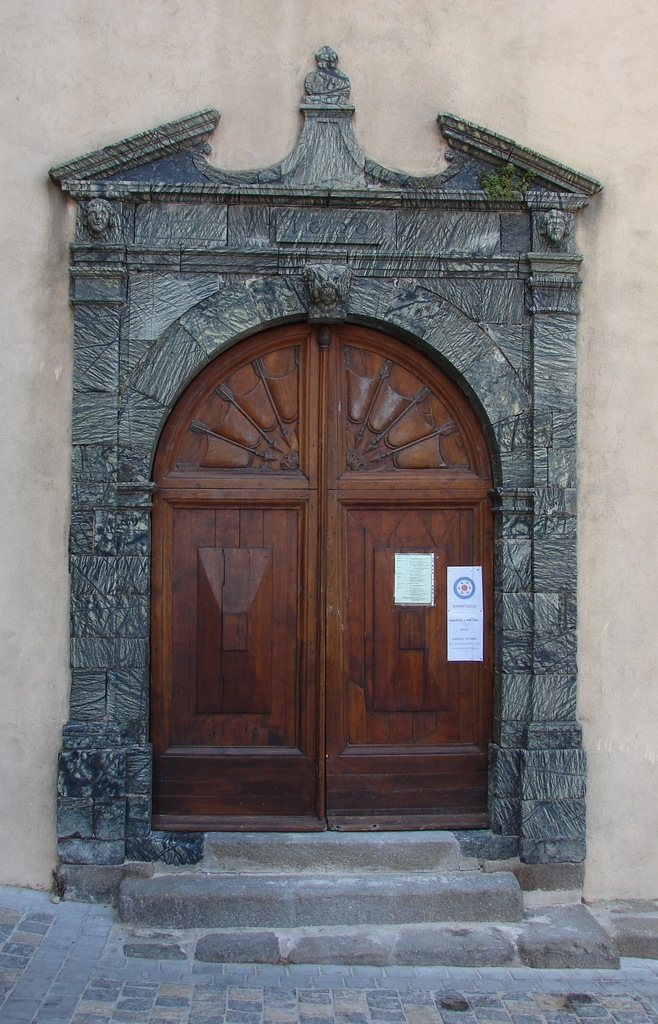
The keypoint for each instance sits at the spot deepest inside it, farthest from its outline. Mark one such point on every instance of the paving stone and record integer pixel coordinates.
(244, 946)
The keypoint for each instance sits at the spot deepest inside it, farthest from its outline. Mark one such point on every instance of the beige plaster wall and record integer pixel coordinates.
(573, 79)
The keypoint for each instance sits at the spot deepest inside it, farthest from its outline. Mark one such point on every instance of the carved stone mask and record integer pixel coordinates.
(99, 217)
(555, 225)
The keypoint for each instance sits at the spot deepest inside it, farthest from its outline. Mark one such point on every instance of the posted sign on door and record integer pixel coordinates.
(465, 613)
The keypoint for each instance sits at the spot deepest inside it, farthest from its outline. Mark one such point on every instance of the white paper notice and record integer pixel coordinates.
(465, 613)
(414, 579)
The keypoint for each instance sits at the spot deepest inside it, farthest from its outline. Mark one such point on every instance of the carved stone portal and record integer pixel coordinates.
(173, 261)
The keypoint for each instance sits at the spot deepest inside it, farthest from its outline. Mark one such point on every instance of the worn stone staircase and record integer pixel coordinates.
(356, 898)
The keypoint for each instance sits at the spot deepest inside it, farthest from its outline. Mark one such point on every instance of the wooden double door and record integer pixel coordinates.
(289, 689)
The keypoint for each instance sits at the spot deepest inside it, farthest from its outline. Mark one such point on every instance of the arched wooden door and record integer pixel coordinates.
(289, 690)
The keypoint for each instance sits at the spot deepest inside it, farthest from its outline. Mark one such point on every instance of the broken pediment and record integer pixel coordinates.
(483, 167)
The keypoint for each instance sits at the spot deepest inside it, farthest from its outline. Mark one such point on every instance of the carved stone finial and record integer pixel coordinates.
(328, 286)
(555, 226)
(99, 217)
(327, 84)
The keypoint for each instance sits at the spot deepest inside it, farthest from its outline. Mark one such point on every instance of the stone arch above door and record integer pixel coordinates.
(420, 314)
(175, 260)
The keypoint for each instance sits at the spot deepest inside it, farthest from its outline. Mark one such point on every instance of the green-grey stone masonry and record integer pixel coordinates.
(174, 260)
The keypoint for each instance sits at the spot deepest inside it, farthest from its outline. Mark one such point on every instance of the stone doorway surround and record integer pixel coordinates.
(173, 261)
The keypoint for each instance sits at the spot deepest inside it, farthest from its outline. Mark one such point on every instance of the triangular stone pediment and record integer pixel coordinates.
(173, 158)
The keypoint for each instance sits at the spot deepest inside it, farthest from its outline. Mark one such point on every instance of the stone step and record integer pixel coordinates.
(319, 852)
(564, 937)
(199, 900)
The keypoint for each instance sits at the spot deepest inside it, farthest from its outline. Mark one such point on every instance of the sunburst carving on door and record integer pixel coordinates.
(250, 420)
(394, 421)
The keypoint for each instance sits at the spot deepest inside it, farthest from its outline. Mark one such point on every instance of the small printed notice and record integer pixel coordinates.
(465, 613)
(414, 579)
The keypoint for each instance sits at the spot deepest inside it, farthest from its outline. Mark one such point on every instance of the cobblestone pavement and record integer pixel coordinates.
(64, 963)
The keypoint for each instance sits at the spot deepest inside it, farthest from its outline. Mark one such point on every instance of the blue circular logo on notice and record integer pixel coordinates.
(464, 587)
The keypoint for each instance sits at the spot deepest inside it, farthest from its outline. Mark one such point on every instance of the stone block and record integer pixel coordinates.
(140, 419)
(133, 574)
(515, 611)
(514, 434)
(105, 542)
(514, 565)
(88, 690)
(138, 815)
(552, 851)
(437, 232)
(555, 362)
(562, 467)
(549, 612)
(483, 844)
(515, 234)
(97, 288)
(555, 501)
(554, 697)
(91, 851)
(555, 526)
(244, 946)
(505, 814)
(92, 736)
(516, 468)
(564, 938)
(516, 652)
(96, 348)
(248, 226)
(565, 428)
(157, 299)
(92, 773)
(92, 615)
(75, 818)
(502, 302)
(173, 360)
(88, 883)
(550, 877)
(174, 848)
(133, 463)
(553, 774)
(181, 223)
(138, 770)
(555, 653)
(513, 697)
(81, 533)
(452, 946)
(335, 227)
(132, 615)
(131, 652)
(133, 533)
(513, 340)
(555, 564)
(504, 772)
(498, 387)
(94, 462)
(553, 735)
(553, 819)
(92, 652)
(127, 694)
(94, 418)
(109, 819)
(509, 734)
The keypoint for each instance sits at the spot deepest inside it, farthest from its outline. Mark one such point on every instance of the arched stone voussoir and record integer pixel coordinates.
(242, 308)
(462, 344)
(185, 347)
